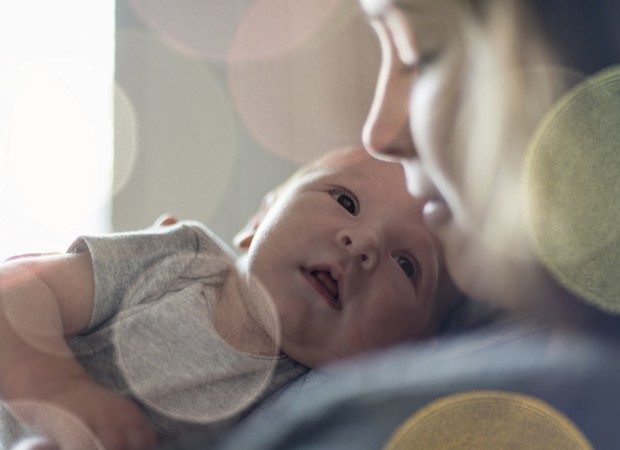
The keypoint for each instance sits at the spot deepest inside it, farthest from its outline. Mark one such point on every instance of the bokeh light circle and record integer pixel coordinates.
(57, 424)
(202, 29)
(572, 184)
(311, 99)
(125, 139)
(276, 27)
(57, 139)
(181, 374)
(488, 420)
(206, 29)
(36, 327)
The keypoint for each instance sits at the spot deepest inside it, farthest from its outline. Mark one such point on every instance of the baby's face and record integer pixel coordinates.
(347, 261)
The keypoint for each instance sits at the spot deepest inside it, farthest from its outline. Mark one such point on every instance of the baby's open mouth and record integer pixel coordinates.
(326, 285)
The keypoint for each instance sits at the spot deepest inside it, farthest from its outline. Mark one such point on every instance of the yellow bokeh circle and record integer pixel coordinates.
(488, 420)
(572, 187)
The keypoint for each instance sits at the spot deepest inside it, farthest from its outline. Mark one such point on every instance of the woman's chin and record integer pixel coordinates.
(487, 274)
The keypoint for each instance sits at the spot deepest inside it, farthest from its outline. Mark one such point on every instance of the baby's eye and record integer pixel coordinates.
(407, 266)
(347, 200)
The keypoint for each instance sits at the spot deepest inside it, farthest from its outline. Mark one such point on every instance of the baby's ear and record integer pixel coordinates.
(243, 238)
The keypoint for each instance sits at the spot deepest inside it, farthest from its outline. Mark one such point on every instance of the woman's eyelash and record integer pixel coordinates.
(410, 69)
(426, 59)
(419, 65)
(346, 199)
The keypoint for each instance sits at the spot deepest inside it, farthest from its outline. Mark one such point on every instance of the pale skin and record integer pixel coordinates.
(397, 257)
(38, 365)
(352, 224)
(424, 115)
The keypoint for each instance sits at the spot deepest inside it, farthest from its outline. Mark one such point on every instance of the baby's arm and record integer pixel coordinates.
(43, 301)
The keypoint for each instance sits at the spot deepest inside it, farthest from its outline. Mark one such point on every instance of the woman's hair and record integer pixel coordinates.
(537, 50)
(584, 33)
(521, 57)
(581, 34)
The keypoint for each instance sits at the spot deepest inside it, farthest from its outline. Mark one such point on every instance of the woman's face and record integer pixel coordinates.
(441, 108)
(413, 113)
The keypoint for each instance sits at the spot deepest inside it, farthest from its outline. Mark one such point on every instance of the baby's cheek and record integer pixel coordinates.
(387, 327)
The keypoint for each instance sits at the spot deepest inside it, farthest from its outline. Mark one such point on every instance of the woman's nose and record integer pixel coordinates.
(386, 131)
(362, 244)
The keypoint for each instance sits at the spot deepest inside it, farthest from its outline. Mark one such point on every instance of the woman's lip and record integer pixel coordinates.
(321, 290)
(435, 212)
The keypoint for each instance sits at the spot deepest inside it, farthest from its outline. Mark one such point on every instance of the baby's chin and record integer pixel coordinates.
(317, 355)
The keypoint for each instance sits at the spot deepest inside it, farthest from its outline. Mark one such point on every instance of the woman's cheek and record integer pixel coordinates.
(430, 116)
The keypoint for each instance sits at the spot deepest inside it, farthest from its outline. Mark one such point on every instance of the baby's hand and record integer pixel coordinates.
(81, 415)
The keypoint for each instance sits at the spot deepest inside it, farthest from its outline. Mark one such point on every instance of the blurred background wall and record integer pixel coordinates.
(56, 131)
(219, 101)
(116, 111)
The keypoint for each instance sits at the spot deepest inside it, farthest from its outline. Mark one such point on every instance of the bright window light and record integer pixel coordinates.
(56, 122)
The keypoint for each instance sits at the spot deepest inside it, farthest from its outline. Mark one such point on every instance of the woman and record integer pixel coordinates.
(482, 101)
(470, 82)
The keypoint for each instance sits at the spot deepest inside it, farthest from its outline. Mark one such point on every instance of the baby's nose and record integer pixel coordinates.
(362, 244)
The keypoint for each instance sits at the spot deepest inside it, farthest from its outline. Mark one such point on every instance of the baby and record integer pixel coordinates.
(134, 337)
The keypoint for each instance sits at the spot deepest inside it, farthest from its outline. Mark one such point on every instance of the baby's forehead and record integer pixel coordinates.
(359, 169)
(342, 159)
